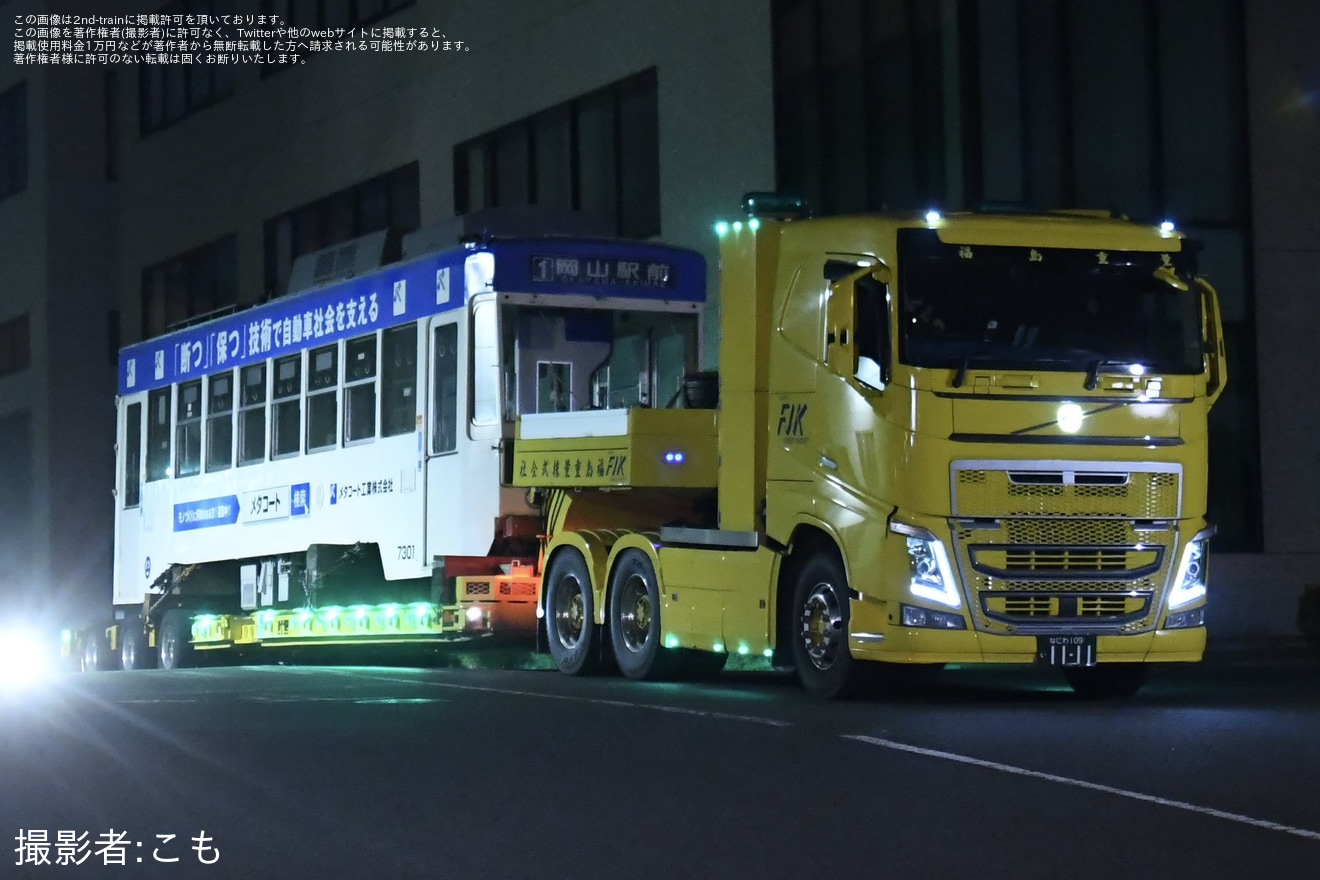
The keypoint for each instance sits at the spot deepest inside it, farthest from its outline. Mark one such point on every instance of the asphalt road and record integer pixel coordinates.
(1211, 772)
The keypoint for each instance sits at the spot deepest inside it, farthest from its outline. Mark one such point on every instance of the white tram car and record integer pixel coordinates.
(326, 467)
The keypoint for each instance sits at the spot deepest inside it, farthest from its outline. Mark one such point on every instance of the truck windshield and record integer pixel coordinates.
(1045, 308)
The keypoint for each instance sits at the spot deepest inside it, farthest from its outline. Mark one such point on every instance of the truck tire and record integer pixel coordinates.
(570, 615)
(1114, 681)
(176, 650)
(96, 653)
(134, 650)
(819, 627)
(634, 603)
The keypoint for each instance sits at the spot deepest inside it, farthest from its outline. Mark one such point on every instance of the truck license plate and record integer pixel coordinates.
(1066, 650)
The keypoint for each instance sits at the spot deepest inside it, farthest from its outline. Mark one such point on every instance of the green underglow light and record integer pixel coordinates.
(719, 648)
(390, 610)
(753, 224)
(743, 649)
(721, 228)
(737, 226)
(205, 620)
(671, 641)
(331, 613)
(768, 652)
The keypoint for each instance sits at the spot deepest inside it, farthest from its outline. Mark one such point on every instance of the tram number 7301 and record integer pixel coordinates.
(407, 551)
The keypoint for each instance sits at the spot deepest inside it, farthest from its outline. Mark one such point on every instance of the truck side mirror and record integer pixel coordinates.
(1213, 339)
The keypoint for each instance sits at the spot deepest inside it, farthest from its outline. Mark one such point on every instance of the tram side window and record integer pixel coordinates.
(360, 388)
(287, 401)
(158, 434)
(398, 370)
(444, 414)
(220, 421)
(188, 439)
(322, 397)
(133, 455)
(252, 415)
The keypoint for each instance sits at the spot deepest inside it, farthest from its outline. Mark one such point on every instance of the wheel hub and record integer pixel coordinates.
(570, 612)
(635, 613)
(822, 625)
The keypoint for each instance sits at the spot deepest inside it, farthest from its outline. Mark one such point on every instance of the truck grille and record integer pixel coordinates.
(1063, 608)
(1132, 494)
(1055, 545)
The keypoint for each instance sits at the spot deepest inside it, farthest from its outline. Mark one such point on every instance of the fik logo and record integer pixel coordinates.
(790, 420)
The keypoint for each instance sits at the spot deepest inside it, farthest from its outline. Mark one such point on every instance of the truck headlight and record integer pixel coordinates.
(1189, 584)
(25, 656)
(931, 573)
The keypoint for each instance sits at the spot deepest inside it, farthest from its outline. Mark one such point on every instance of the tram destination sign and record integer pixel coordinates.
(603, 271)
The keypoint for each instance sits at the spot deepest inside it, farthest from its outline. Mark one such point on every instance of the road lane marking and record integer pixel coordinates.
(599, 701)
(154, 700)
(1081, 783)
(361, 701)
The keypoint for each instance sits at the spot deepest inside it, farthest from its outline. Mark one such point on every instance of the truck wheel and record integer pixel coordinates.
(1109, 682)
(635, 616)
(570, 615)
(96, 655)
(134, 651)
(824, 664)
(176, 650)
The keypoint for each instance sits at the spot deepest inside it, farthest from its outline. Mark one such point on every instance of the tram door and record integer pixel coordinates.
(132, 570)
(463, 431)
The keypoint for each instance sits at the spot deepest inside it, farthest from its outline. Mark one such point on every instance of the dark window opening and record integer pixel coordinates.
(322, 398)
(387, 201)
(188, 444)
(13, 141)
(287, 404)
(196, 283)
(158, 433)
(598, 154)
(360, 389)
(444, 425)
(220, 421)
(398, 404)
(133, 455)
(252, 415)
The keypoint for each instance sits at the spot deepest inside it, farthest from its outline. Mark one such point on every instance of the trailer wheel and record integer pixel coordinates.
(1114, 681)
(819, 624)
(95, 652)
(634, 602)
(176, 650)
(134, 651)
(570, 615)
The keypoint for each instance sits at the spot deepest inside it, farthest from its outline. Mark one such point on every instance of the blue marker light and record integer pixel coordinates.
(674, 457)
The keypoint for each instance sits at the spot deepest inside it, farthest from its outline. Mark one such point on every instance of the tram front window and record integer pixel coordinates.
(565, 360)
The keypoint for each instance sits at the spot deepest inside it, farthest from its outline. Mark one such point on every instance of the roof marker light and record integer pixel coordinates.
(1167, 226)
(933, 217)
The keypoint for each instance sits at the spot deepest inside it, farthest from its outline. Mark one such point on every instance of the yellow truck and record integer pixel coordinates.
(962, 439)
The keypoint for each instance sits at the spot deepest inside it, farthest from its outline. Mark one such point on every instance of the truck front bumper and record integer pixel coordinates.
(873, 637)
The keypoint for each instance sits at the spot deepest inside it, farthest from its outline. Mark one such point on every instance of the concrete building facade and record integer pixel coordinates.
(153, 195)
